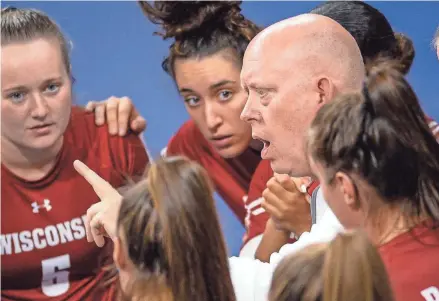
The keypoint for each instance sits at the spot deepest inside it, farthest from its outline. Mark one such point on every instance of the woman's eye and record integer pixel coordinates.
(192, 101)
(225, 95)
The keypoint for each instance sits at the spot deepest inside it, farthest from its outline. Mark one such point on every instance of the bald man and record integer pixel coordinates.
(290, 70)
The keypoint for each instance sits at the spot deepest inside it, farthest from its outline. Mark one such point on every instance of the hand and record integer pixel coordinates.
(119, 114)
(272, 240)
(288, 206)
(103, 214)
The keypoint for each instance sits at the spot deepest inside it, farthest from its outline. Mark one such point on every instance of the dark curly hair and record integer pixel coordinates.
(200, 28)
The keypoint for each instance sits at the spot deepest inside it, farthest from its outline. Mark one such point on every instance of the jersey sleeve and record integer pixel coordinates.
(128, 154)
(256, 217)
(188, 141)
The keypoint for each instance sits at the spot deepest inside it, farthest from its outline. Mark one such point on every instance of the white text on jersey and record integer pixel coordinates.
(40, 238)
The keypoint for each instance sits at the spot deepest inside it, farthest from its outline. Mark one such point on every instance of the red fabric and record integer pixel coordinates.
(311, 187)
(412, 262)
(231, 176)
(257, 217)
(54, 240)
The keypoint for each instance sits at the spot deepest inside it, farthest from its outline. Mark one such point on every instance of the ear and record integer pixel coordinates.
(347, 187)
(326, 90)
(119, 254)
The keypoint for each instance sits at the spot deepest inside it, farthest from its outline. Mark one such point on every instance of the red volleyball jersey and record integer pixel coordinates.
(412, 263)
(44, 251)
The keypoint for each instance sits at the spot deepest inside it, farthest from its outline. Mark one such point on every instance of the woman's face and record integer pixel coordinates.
(36, 94)
(214, 99)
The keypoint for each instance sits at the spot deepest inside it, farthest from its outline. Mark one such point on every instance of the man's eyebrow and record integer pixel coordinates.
(261, 88)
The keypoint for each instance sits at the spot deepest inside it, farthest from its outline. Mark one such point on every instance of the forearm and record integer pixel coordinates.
(272, 240)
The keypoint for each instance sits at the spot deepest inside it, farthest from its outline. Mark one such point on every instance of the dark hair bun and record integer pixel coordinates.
(184, 18)
(404, 52)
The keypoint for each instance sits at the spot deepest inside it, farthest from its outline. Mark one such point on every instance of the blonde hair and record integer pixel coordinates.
(348, 268)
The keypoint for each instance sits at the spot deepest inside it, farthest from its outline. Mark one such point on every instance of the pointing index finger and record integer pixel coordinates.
(99, 185)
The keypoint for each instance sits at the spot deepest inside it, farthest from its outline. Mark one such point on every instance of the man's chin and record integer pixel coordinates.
(279, 167)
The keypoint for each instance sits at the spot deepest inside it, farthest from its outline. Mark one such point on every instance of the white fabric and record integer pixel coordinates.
(321, 205)
(249, 249)
(252, 278)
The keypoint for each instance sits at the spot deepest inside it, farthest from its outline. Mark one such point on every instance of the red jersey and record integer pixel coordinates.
(257, 217)
(44, 251)
(412, 262)
(231, 176)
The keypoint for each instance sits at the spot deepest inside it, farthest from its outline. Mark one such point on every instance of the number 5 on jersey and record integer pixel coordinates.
(55, 276)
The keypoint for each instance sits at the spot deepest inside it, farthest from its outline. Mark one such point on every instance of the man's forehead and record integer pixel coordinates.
(259, 74)
(251, 67)
(258, 54)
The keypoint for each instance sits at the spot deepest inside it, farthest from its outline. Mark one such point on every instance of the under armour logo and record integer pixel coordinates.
(36, 207)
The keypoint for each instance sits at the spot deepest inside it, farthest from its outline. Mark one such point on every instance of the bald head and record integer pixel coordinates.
(314, 43)
(290, 70)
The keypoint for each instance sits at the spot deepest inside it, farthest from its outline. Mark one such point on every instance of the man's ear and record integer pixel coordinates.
(326, 90)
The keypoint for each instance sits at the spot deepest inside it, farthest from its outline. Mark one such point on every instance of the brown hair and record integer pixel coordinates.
(381, 135)
(172, 234)
(348, 268)
(201, 28)
(25, 25)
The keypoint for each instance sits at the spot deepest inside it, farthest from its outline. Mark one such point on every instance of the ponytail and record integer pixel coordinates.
(173, 234)
(391, 148)
(353, 270)
(348, 268)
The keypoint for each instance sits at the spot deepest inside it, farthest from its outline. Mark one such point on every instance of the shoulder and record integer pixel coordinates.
(125, 153)
(82, 129)
(188, 140)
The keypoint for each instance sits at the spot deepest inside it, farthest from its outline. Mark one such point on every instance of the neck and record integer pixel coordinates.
(388, 223)
(26, 163)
